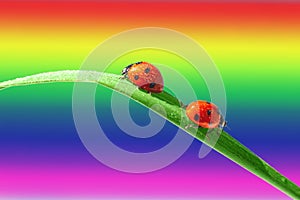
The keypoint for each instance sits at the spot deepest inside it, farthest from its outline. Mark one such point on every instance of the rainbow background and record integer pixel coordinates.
(255, 46)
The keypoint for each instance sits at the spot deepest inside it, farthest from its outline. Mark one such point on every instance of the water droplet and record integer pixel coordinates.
(283, 179)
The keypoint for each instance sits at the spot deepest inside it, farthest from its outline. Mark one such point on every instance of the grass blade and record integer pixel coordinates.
(225, 145)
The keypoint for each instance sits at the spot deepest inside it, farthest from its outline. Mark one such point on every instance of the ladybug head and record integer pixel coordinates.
(223, 122)
(126, 69)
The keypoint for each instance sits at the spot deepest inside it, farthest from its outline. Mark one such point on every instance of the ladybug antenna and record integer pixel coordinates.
(226, 125)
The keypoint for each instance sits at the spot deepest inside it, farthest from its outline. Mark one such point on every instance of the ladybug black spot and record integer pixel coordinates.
(152, 85)
(136, 77)
(208, 112)
(147, 70)
(208, 102)
(138, 62)
(196, 117)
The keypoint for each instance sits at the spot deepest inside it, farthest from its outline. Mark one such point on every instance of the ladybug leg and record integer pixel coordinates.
(188, 126)
(207, 137)
(191, 126)
(209, 131)
(123, 77)
(148, 92)
(182, 105)
(217, 133)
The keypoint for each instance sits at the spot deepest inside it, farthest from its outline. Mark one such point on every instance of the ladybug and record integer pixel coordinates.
(205, 114)
(144, 75)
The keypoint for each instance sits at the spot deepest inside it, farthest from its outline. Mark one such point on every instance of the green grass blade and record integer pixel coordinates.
(225, 145)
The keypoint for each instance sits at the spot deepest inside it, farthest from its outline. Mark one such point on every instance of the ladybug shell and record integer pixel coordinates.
(146, 76)
(204, 114)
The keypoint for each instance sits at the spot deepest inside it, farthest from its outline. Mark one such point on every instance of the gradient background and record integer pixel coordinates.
(256, 47)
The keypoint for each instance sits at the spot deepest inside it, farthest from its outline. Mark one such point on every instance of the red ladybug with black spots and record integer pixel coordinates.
(205, 114)
(144, 75)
